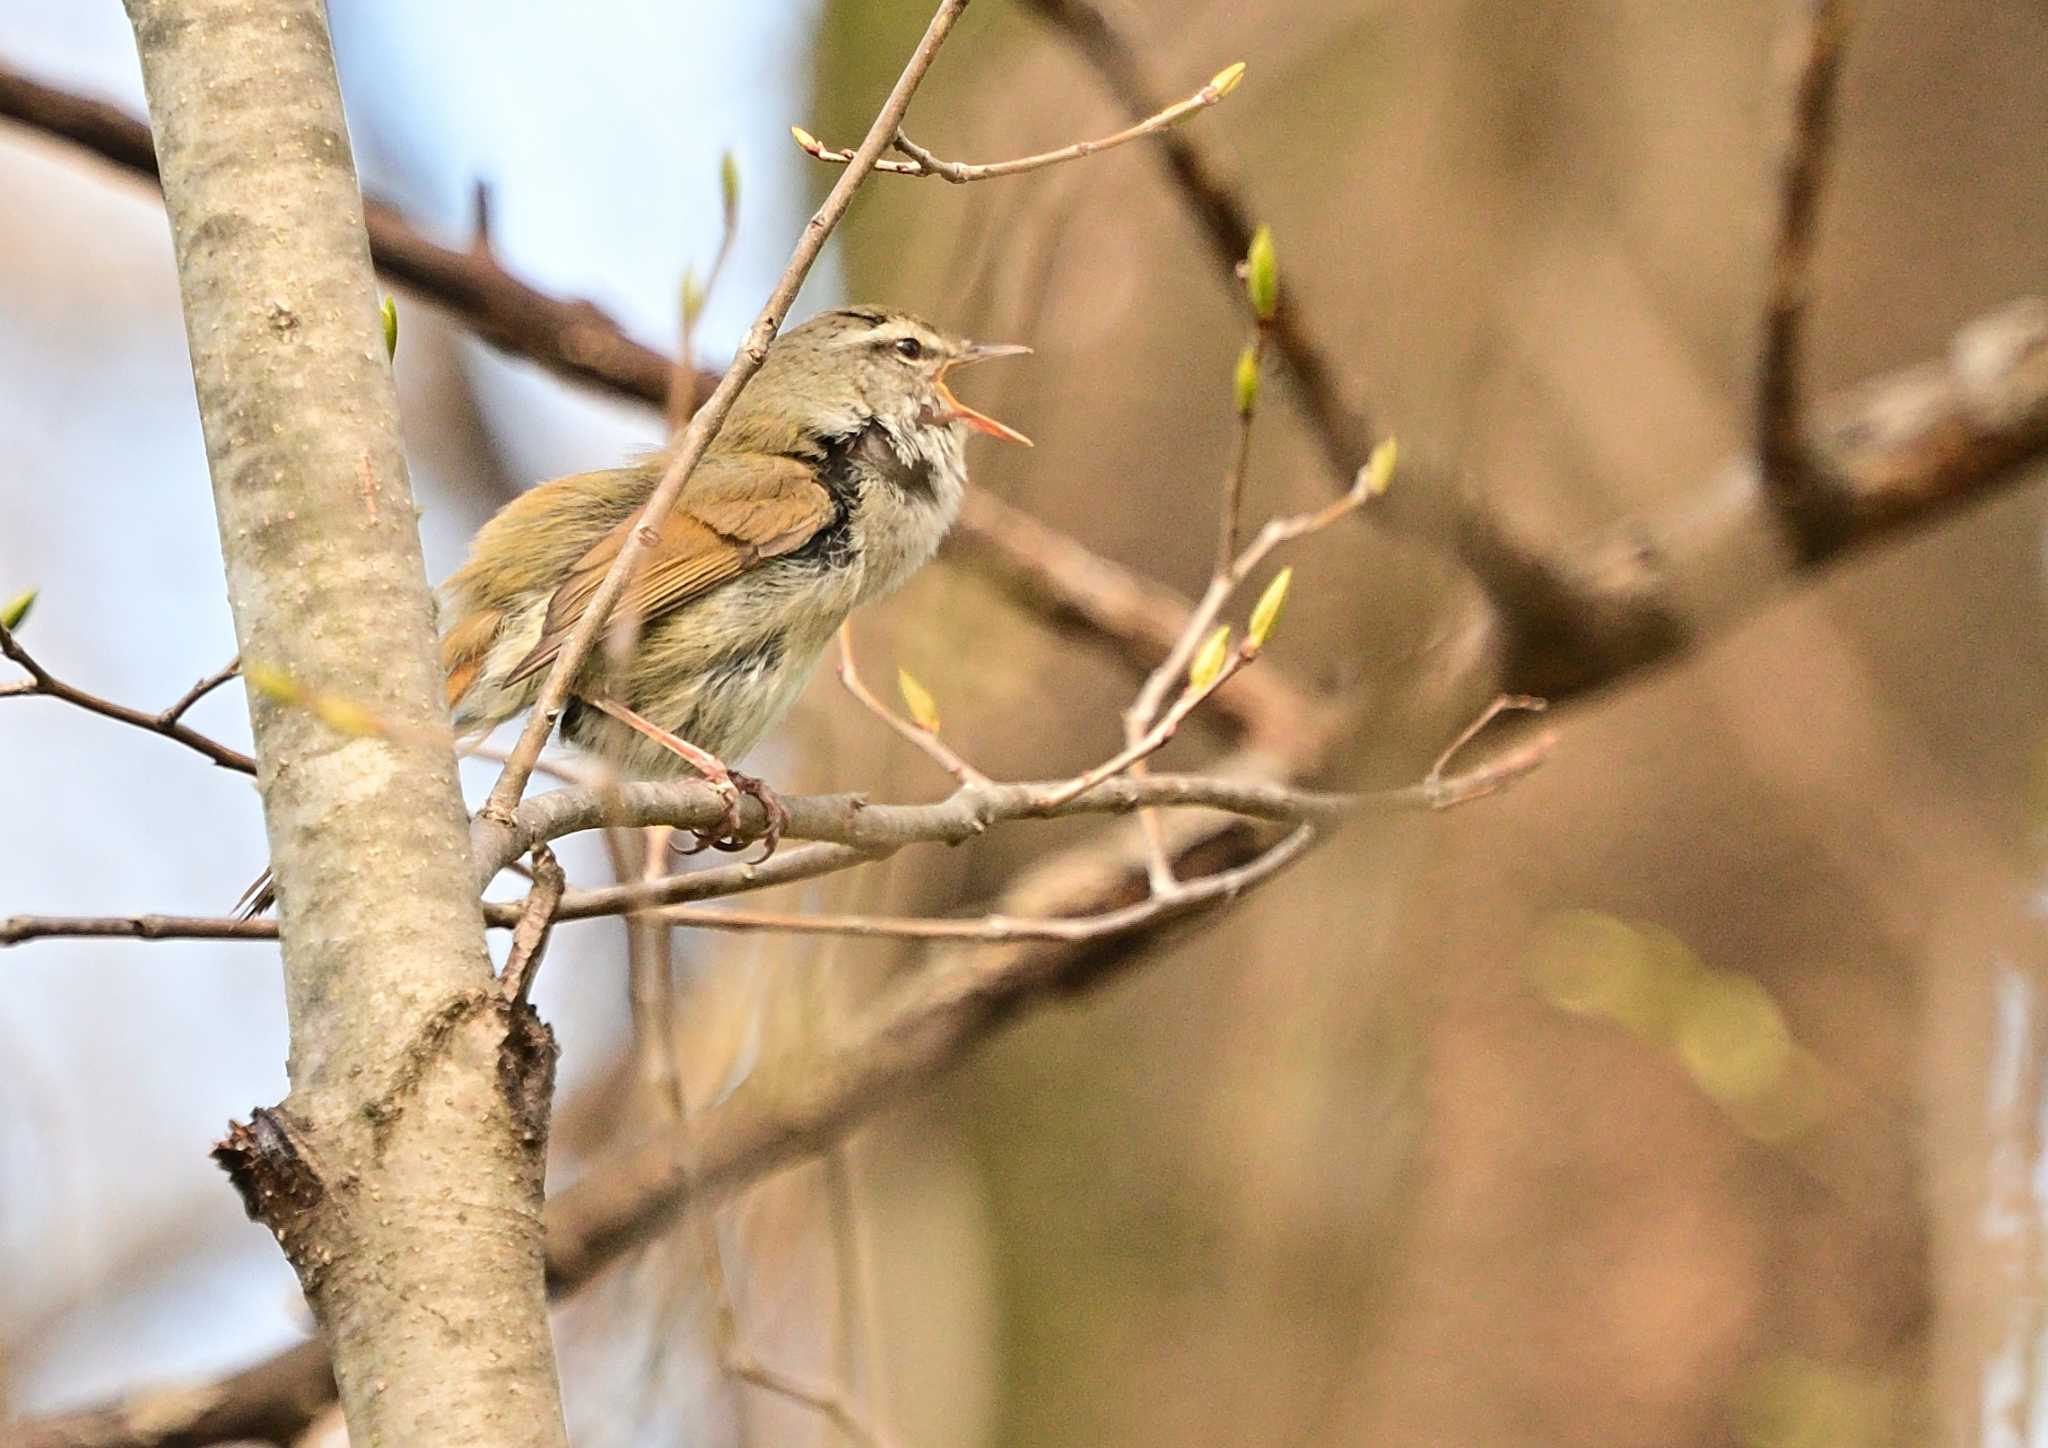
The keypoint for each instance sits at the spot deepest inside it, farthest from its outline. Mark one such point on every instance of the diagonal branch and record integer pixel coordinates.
(575, 339)
(1569, 622)
(704, 424)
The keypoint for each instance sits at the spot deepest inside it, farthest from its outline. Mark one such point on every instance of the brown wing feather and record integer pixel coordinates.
(735, 512)
(463, 649)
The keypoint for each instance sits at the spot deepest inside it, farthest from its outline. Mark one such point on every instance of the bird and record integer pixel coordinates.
(836, 475)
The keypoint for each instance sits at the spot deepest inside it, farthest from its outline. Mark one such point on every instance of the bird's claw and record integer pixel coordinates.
(727, 834)
(728, 821)
(773, 811)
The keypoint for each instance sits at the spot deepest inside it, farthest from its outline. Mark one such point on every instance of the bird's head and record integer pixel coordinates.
(843, 369)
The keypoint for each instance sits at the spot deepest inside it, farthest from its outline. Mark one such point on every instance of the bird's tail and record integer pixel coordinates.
(259, 897)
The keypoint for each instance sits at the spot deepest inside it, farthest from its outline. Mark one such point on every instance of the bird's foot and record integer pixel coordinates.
(773, 810)
(729, 834)
(725, 834)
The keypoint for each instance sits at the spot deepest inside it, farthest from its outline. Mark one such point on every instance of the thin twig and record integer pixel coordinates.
(1146, 731)
(1277, 531)
(786, 866)
(923, 163)
(1003, 930)
(734, 1359)
(536, 919)
(1152, 740)
(638, 857)
(1342, 430)
(1069, 584)
(709, 418)
(866, 833)
(827, 1401)
(199, 691)
(1782, 449)
(1240, 463)
(682, 393)
(834, 1403)
(1435, 784)
(18, 929)
(925, 739)
(42, 683)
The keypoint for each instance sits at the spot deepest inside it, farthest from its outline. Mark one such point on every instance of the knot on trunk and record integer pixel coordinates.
(276, 1173)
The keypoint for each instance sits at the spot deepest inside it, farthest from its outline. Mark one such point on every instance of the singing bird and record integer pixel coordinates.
(837, 473)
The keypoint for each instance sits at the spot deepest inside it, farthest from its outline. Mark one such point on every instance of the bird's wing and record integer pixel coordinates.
(736, 511)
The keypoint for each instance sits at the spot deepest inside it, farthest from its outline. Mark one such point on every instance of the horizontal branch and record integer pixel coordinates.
(848, 832)
(764, 1124)
(1155, 909)
(923, 163)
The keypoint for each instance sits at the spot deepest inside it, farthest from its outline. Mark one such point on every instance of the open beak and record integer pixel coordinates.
(958, 411)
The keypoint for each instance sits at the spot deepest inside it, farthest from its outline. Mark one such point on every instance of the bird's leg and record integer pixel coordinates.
(702, 760)
(729, 783)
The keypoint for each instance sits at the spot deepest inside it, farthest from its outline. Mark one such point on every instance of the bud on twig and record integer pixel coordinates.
(1209, 659)
(15, 614)
(1225, 80)
(1262, 275)
(1266, 612)
(389, 312)
(1378, 472)
(1246, 381)
(694, 295)
(729, 188)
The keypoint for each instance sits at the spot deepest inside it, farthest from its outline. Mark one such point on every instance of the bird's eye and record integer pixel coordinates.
(911, 348)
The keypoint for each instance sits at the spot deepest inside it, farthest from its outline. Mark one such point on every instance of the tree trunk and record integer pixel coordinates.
(402, 1175)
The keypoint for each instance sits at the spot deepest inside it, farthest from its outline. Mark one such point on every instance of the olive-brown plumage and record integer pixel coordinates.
(836, 475)
(834, 478)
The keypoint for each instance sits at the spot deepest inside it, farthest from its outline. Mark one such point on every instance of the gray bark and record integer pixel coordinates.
(402, 1175)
